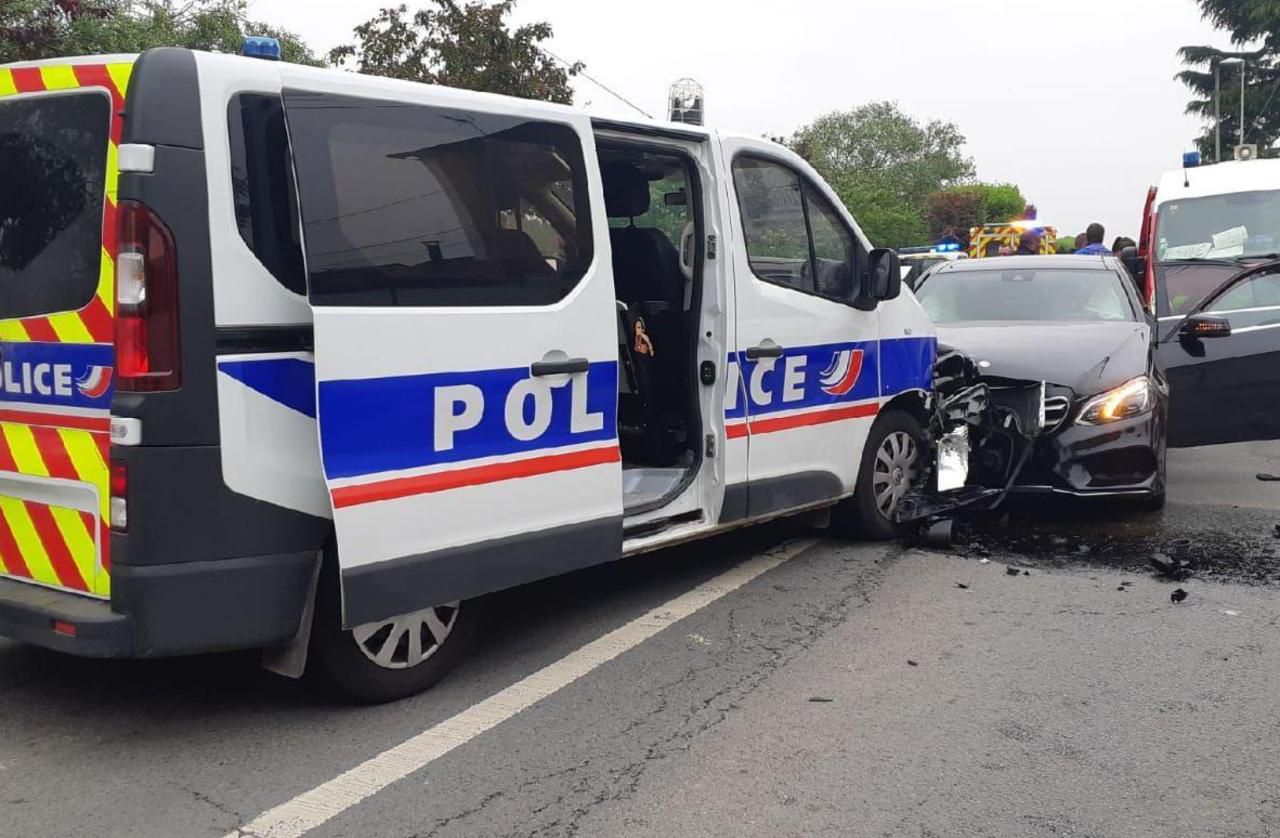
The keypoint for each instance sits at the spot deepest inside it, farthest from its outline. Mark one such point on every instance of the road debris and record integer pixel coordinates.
(1169, 566)
(1269, 478)
(1232, 613)
(962, 586)
(817, 699)
(984, 561)
(1012, 571)
(1122, 589)
(1177, 596)
(912, 663)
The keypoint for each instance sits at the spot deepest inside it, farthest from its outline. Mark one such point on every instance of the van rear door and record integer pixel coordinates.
(465, 340)
(59, 133)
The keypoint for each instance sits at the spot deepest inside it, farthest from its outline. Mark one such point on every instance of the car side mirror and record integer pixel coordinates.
(1200, 326)
(884, 271)
(1136, 264)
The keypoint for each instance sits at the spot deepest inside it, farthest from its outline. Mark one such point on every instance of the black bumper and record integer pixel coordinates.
(168, 609)
(1122, 458)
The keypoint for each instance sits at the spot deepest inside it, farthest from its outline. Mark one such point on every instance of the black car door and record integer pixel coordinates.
(1227, 388)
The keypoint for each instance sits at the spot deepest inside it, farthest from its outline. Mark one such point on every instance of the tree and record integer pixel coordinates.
(35, 29)
(973, 204)
(884, 164)
(467, 46)
(1250, 22)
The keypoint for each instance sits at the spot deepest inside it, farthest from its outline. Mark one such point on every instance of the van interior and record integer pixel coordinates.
(654, 236)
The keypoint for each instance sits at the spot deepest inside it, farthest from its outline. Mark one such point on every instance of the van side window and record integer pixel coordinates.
(834, 251)
(262, 186)
(794, 236)
(412, 205)
(772, 207)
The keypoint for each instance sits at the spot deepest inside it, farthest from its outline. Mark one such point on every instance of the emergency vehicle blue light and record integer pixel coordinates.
(946, 247)
(1190, 159)
(259, 47)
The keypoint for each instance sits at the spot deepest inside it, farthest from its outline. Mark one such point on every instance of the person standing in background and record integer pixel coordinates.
(1093, 241)
(1120, 244)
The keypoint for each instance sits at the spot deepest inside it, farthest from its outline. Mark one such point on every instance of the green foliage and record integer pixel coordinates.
(467, 46)
(36, 29)
(973, 204)
(1249, 22)
(884, 164)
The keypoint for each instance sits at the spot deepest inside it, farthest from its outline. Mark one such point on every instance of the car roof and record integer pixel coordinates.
(1008, 263)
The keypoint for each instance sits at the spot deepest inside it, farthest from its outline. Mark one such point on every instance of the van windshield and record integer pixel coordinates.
(53, 153)
(1233, 226)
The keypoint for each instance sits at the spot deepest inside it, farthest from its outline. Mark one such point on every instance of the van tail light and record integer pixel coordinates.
(119, 504)
(146, 326)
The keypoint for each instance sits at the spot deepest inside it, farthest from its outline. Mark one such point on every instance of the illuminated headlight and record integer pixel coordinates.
(1133, 398)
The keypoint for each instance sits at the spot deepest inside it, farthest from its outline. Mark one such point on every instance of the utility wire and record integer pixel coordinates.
(599, 84)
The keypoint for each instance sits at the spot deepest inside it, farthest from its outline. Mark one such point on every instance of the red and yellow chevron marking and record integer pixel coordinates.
(49, 544)
(55, 545)
(93, 323)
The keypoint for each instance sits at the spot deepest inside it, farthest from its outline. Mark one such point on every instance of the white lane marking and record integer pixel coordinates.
(296, 817)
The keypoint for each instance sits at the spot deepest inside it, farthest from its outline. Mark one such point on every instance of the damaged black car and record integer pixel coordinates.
(1052, 361)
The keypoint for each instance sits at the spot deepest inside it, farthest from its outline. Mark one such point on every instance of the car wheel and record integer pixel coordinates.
(394, 658)
(892, 465)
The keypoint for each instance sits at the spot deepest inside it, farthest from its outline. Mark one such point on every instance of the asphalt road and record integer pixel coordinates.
(852, 690)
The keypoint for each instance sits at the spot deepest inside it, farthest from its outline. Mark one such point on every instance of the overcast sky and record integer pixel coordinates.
(1074, 102)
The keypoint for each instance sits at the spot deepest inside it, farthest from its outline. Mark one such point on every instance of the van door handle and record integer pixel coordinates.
(770, 351)
(570, 366)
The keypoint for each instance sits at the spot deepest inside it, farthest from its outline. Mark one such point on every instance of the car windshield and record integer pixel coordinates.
(1233, 226)
(1025, 294)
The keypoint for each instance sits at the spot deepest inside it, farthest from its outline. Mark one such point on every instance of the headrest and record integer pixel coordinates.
(626, 190)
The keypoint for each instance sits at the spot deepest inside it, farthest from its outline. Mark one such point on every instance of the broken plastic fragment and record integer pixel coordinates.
(953, 459)
(1177, 596)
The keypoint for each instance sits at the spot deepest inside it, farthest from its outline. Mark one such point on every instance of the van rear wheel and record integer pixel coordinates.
(892, 464)
(394, 658)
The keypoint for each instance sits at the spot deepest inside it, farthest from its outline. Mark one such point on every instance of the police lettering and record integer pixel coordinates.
(528, 409)
(26, 379)
(765, 387)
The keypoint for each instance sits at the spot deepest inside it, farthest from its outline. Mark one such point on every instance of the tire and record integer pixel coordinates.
(863, 514)
(344, 660)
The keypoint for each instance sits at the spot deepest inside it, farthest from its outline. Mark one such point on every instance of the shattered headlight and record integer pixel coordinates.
(1133, 398)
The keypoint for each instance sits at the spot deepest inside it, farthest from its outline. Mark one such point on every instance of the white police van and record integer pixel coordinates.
(380, 348)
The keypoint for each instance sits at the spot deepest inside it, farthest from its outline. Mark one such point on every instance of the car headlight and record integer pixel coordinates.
(1133, 398)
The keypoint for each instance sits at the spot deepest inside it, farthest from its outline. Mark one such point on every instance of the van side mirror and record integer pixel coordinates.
(884, 271)
(1136, 264)
(1200, 326)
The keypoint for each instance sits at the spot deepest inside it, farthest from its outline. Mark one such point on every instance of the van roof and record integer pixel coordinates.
(1219, 179)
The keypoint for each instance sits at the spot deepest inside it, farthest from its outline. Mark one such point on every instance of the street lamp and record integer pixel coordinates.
(1231, 61)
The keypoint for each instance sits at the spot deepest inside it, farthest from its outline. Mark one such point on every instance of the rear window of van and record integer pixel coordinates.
(53, 155)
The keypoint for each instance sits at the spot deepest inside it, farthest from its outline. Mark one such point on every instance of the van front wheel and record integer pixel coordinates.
(892, 464)
(394, 658)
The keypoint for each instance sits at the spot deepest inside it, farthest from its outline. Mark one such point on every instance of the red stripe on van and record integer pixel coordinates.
(27, 79)
(11, 553)
(442, 481)
(54, 453)
(55, 547)
(56, 420)
(802, 420)
(97, 320)
(96, 75)
(38, 329)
